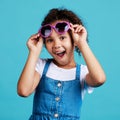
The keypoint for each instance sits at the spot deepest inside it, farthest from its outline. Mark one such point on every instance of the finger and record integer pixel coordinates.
(71, 27)
(79, 29)
(82, 30)
(40, 39)
(35, 36)
(76, 27)
(40, 42)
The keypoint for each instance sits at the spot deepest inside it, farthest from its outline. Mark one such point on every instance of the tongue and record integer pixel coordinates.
(61, 54)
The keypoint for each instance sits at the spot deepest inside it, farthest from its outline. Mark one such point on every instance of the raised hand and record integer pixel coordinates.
(79, 34)
(35, 43)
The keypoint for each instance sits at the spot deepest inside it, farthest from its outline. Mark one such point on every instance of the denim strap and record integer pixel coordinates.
(46, 66)
(78, 72)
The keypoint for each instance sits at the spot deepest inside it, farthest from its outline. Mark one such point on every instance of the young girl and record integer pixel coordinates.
(59, 82)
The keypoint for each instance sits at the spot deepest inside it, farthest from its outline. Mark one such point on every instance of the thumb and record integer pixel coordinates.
(40, 42)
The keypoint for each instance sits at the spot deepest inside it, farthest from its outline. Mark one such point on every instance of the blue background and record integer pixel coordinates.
(19, 19)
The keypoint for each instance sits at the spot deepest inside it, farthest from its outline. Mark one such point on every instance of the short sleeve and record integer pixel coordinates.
(85, 86)
(40, 65)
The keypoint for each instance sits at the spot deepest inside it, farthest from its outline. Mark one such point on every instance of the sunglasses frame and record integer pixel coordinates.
(54, 27)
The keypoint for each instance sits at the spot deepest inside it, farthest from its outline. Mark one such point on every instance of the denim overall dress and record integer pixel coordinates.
(57, 100)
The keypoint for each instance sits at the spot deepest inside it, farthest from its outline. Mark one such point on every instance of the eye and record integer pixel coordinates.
(62, 37)
(49, 40)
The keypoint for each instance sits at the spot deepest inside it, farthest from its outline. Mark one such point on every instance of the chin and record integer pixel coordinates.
(60, 62)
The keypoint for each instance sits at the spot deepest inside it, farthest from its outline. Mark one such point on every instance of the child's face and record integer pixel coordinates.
(60, 46)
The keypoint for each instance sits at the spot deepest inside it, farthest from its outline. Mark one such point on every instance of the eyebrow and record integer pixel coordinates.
(49, 37)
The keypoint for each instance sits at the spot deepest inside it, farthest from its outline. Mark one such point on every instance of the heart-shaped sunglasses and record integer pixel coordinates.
(60, 27)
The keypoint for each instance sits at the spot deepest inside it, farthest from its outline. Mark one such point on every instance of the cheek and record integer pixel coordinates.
(69, 45)
(49, 48)
(69, 41)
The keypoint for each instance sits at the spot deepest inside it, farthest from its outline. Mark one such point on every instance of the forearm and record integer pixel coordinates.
(26, 80)
(96, 74)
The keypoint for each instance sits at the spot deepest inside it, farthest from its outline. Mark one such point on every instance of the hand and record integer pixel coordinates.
(35, 43)
(79, 34)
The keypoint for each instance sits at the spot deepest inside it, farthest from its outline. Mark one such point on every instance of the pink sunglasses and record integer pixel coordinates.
(59, 27)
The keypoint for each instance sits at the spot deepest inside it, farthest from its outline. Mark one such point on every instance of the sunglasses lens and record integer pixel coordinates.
(62, 27)
(45, 31)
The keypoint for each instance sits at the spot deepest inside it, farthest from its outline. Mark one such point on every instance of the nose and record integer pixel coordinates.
(57, 44)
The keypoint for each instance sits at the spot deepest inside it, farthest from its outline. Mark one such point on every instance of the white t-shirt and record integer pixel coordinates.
(69, 74)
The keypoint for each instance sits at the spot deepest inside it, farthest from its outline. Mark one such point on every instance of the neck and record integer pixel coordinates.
(69, 65)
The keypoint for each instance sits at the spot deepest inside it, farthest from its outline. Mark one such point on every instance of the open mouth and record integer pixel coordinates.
(61, 54)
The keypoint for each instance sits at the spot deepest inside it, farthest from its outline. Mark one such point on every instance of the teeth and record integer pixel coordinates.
(60, 53)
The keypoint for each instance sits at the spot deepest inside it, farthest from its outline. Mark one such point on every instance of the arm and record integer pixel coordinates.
(96, 75)
(29, 78)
